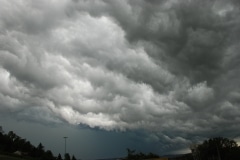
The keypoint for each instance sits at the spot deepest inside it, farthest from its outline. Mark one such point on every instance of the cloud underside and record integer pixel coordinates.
(168, 67)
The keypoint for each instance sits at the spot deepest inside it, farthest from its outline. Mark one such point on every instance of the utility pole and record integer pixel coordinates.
(65, 138)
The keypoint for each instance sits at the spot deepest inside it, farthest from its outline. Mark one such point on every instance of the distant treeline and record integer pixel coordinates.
(133, 155)
(218, 148)
(13, 145)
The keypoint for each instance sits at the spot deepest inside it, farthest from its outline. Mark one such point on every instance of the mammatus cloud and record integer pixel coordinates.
(169, 67)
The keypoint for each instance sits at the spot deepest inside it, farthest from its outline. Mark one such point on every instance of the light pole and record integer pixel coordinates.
(65, 138)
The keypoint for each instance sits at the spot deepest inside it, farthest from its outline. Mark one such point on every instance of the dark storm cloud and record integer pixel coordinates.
(168, 67)
(190, 35)
(193, 38)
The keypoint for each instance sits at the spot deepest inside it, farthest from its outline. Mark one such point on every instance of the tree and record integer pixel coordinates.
(40, 150)
(1, 130)
(73, 158)
(132, 155)
(67, 157)
(59, 157)
(27, 147)
(11, 142)
(40, 147)
(215, 148)
(48, 155)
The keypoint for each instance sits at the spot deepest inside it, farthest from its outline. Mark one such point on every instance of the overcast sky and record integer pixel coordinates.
(151, 75)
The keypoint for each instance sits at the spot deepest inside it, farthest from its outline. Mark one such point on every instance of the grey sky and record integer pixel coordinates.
(166, 71)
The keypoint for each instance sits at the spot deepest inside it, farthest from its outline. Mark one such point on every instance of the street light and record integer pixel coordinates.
(65, 138)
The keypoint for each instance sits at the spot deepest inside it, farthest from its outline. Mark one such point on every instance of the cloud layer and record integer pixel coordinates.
(168, 67)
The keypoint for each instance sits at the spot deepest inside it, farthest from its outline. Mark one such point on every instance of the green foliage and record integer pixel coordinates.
(48, 155)
(67, 157)
(217, 148)
(59, 157)
(183, 157)
(11, 142)
(132, 155)
(73, 158)
(5, 157)
(1, 130)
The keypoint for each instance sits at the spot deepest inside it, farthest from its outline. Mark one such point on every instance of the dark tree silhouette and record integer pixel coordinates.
(59, 157)
(40, 150)
(73, 158)
(217, 148)
(48, 155)
(11, 142)
(1, 130)
(67, 157)
(132, 155)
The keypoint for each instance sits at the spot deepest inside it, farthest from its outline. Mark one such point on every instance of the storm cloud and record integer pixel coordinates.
(168, 67)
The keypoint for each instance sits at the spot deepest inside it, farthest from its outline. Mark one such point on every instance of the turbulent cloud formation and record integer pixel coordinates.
(168, 67)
